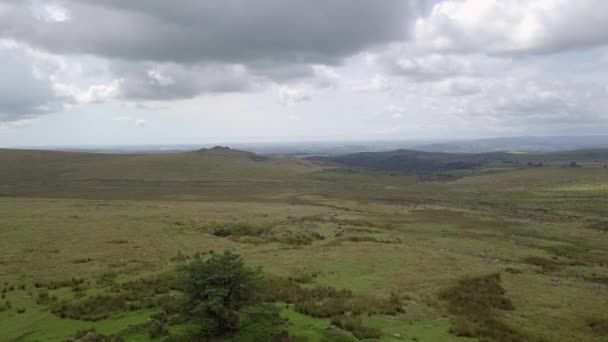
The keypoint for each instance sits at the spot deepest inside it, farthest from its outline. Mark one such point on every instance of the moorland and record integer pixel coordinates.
(390, 246)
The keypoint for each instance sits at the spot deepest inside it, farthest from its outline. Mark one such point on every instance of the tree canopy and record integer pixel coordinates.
(216, 289)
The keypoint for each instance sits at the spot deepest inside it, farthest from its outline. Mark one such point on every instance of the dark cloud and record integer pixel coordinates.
(168, 81)
(219, 31)
(165, 50)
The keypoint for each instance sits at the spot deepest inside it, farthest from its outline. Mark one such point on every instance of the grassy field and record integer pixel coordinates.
(509, 253)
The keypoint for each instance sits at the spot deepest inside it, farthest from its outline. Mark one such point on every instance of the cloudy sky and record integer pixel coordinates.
(90, 72)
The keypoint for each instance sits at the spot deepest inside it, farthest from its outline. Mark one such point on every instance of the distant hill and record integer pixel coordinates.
(420, 161)
(409, 160)
(518, 144)
(219, 163)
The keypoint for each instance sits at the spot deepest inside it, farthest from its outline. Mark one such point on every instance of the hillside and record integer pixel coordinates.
(94, 241)
(418, 161)
(518, 144)
(205, 164)
(208, 172)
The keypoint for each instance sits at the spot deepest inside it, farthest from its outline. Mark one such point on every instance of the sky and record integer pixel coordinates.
(115, 72)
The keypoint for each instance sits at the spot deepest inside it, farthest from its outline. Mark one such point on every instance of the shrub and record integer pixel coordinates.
(107, 278)
(597, 279)
(240, 229)
(476, 304)
(325, 301)
(91, 308)
(91, 335)
(599, 326)
(216, 289)
(179, 257)
(118, 242)
(354, 325)
(513, 270)
(43, 298)
(157, 329)
(54, 285)
(82, 260)
(547, 265)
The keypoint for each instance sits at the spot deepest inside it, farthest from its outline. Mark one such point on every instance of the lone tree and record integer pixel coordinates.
(216, 289)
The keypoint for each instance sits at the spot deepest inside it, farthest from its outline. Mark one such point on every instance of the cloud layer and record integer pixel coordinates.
(518, 65)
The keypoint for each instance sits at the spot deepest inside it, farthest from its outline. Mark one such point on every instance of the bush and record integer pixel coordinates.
(513, 270)
(354, 325)
(91, 308)
(157, 329)
(90, 335)
(476, 304)
(216, 289)
(54, 285)
(547, 265)
(43, 297)
(325, 301)
(6, 306)
(240, 229)
(599, 326)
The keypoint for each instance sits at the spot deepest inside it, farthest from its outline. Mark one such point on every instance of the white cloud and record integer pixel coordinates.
(94, 94)
(290, 96)
(396, 112)
(140, 122)
(469, 65)
(55, 12)
(460, 86)
(513, 27)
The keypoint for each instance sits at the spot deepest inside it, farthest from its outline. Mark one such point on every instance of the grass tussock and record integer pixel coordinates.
(547, 265)
(353, 324)
(91, 308)
(597, 279)
(513, 270)
(598, 326)
(82, 261)
(117, 242)
(91, 335)
(367, 238)
(579, 255)
(477, 305)
(134, 295)
(57, 284)
(325, 301)
(245, 232)
(600, 226)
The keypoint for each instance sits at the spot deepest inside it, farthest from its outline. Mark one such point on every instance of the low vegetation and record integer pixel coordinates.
(477, 305)
(130, 247)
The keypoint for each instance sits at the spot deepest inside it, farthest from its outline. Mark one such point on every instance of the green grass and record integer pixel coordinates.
(132, 215)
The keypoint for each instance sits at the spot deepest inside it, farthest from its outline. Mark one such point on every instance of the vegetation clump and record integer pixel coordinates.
(477, 303)
(599, 326)
(91, 335)
(250, 233)
(91, 308)
(579, 255)
(547, 265)
(353, 324)
(326, 301)
(54, 285)
(216, 289)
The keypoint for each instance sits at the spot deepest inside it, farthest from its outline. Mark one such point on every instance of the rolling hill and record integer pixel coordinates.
(417, 161)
